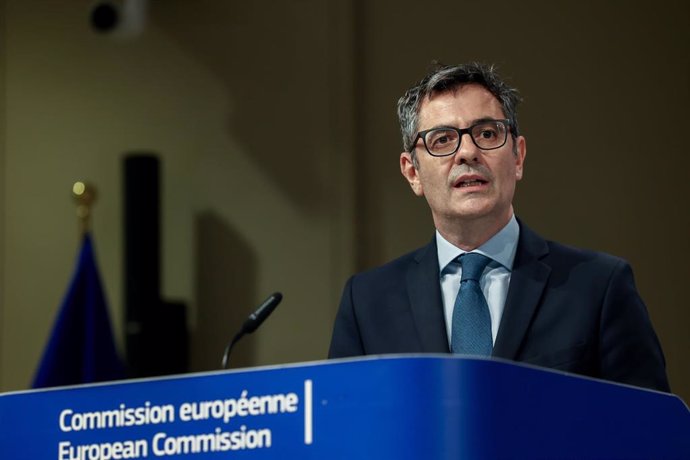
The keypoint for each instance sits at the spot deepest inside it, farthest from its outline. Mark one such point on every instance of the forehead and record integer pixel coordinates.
(458, 106)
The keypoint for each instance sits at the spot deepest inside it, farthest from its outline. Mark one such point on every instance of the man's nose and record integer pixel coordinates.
(468, 152)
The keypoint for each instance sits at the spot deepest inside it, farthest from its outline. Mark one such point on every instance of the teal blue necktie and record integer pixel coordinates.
(471, 333)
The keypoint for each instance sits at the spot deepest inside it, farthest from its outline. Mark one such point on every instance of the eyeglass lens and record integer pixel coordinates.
(486, 135)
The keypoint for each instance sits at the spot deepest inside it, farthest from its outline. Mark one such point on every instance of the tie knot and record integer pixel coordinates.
(473, 265)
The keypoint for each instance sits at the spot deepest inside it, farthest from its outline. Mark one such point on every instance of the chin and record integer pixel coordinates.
(486, 214)
(476, 210)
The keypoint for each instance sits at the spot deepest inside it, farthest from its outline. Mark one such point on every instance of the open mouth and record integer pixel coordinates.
(470, 183)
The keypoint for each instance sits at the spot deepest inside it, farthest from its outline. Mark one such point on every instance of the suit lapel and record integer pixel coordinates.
(424, 289)
(527, 282)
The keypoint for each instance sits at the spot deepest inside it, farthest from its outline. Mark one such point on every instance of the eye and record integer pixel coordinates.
(441, 138)
(487, 132)
(489, 135)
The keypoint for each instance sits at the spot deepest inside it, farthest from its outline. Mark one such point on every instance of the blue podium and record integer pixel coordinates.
(393, 407)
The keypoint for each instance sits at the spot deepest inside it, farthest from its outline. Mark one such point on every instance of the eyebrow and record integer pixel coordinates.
(472, 123)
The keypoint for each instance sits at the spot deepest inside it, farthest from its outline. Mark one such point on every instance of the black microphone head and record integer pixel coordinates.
(261, 313)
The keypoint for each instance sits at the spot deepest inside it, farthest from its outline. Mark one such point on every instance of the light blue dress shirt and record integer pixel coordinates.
(495, 280)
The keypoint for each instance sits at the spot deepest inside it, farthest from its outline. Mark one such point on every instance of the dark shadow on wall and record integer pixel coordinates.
(225, 274)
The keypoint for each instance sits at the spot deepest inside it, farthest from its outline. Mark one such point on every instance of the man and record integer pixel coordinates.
(487, 285)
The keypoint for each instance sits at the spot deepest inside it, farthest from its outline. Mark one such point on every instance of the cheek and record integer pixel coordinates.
(431, 180)
(507, 174)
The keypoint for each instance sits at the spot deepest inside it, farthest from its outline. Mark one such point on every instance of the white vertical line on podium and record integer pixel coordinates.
(308, 427)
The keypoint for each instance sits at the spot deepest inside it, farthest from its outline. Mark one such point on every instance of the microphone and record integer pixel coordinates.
(253, 322)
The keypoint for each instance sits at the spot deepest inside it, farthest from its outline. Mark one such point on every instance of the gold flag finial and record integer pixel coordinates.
(84, 195)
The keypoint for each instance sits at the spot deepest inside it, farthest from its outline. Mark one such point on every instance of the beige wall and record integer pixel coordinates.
(209, 82)
(252, 181)
(2, 181)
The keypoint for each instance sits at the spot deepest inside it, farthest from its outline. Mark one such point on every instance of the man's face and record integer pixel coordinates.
(472, 185)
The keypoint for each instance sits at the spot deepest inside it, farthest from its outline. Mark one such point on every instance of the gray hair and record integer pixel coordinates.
(446, 78)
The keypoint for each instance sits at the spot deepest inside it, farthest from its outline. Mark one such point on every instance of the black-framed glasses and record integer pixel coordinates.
(486, 134)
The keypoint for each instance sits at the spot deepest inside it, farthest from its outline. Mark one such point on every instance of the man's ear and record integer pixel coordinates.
(521, 153)
(411, 173)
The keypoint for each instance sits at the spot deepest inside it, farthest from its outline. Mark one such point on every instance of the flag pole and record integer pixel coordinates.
(84, 195)
(81, 347)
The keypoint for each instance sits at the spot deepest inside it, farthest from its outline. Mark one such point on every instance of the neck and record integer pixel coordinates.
(471, 233)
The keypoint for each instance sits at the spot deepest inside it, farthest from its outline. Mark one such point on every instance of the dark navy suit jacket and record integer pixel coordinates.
(566, 308)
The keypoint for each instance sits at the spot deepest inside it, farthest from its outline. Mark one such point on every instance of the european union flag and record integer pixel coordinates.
(81, 348)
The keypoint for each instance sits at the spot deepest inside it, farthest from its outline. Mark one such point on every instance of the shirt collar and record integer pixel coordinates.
(500, 248)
